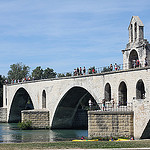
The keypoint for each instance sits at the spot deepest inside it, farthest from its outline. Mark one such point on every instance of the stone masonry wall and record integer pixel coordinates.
(141, 118)
(3, 114)
(39, 118)
(110, 124)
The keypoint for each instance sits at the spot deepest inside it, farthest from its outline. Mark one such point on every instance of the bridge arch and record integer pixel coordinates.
(74, 102)
(21, 101)
(122, 93)
(140, 89)
(107, 92)
(133, 57)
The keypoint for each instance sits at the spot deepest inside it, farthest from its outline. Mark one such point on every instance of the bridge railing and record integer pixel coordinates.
(117, 67)
(112, 107)
(94, 70)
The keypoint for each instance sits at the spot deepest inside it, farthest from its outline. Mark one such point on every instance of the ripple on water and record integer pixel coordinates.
(9, 133)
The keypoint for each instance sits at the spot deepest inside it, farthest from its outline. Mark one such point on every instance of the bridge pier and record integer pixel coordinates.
(3, 114)
(110, 123)
(39, 118)
(122, 122)
(141, 118)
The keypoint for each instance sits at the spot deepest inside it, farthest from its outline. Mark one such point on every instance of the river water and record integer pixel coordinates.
(9, 133)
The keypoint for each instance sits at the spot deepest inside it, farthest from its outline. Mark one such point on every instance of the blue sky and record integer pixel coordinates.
(65, 34)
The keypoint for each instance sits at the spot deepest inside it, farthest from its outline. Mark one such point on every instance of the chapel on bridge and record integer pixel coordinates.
(138, 48)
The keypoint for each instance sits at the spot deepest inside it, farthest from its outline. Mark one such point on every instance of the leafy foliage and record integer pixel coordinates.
(37, 73)
(64, 75)
(49, 73)
(106, 69)
(2, 79)
(18, 71)
(60, 75)
(25, 125)
(68, 74)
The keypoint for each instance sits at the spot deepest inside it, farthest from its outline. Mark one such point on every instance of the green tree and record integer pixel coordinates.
(37, 73)
(18, 71)
(49, 73)
(2, 79)
(68, 74)
(106, 69)
(60, 75)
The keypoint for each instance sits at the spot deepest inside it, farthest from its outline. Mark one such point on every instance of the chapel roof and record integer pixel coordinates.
(136, 19)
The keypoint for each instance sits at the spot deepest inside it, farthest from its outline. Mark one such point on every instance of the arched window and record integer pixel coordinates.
(133, 58)
(44, 99)
(107, 92)
(140, 90)
(131, 33)
(141, 36)
(122, 93)
(135, 29)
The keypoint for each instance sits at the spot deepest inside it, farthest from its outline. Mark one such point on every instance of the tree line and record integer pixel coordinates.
(20, 71)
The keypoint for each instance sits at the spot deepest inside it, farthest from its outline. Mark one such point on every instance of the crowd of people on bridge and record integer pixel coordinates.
(18, 81)
(80, 71)
(136, 63)
(116, 67)
(92, 70)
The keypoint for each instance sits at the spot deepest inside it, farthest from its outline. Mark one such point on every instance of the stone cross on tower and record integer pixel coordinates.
(137, 51)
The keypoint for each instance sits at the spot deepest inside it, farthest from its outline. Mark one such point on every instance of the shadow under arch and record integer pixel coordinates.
(107, 92)
(21, 101)
(133, 58)
(71, 112)
(140, 90)
(146, 132)
(122, 94)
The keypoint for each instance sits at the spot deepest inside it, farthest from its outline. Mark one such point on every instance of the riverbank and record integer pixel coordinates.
(77, 145)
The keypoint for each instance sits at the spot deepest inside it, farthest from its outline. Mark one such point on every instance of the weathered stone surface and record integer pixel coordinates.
(113, 124)
(39, 118)
(3, 114)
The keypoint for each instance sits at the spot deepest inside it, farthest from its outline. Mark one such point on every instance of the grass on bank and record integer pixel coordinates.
(81, 145)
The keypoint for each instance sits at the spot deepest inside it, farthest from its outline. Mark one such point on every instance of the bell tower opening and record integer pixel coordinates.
(133, 59)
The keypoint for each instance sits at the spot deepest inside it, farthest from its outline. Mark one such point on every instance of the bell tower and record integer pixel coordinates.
(138, 48)
(136, 28)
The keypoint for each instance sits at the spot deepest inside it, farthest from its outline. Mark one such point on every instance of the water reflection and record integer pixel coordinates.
(9, 133)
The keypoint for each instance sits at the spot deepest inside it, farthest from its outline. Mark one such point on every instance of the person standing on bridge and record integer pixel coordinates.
(134, 63)
(146, 63)
(80, 71)
(137, 63)
(103, 104)
(90, 104)
(77, 71)
(113, 103)
(116, 66)
(111, 67)
(84, 70)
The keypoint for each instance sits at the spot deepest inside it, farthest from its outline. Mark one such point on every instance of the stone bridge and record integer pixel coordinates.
(63, 97)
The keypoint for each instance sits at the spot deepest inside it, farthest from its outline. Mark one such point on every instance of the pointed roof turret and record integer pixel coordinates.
(136, 19)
